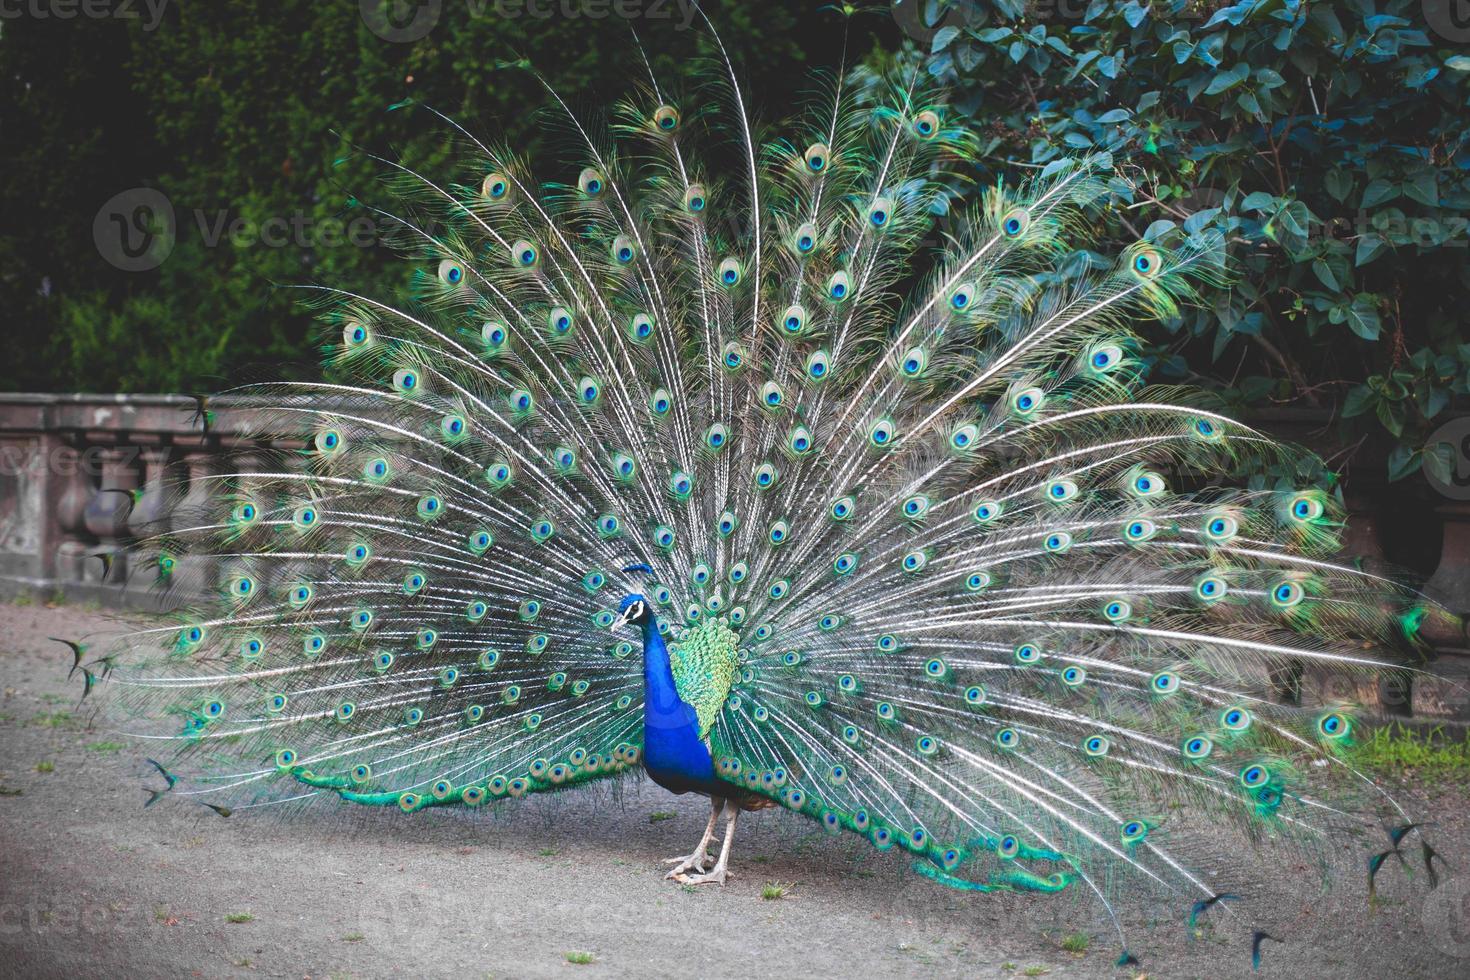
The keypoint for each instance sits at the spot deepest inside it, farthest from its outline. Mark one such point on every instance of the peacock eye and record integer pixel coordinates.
(495, 186)
(880, 212)
(591, 182)
(1016, 221)
(1147, 263)
(451, 272)
(666, 118)
(839, 286)
(794, 319)
(730, 272)
(816, 157)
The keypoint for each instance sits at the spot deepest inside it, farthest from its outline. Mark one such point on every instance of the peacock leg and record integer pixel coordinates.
(721, 869)
(697, 860)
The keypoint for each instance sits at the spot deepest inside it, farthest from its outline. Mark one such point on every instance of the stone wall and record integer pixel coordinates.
(69, 466)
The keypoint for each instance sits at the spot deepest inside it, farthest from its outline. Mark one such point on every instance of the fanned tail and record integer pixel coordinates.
(993, 604)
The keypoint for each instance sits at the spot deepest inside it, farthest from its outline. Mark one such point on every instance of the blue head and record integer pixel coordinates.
(634, 609)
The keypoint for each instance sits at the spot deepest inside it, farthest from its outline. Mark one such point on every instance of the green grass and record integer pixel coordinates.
(773, 890)
(353, 937)
(106, 746)
(1396, 748)
(1077, 942)
(547, 852)
(53, 719)
(576, 956)
(235, 918)
(23, 599)
(1035, 971)
(10, 791)
(45, 766)
(660, 816)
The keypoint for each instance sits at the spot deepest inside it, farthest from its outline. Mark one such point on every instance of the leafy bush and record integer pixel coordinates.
(252, 121)
(1327, 139)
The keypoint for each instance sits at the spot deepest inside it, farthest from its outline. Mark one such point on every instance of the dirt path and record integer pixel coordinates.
(92, 885)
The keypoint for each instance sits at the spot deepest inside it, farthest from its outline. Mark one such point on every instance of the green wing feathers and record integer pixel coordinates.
(704, 661)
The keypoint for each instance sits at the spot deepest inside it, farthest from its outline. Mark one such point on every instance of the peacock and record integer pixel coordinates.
(791, 470)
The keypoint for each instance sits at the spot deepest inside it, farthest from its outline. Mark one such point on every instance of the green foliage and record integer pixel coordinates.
(1327, 139)
(1394, 748)
(252, 122)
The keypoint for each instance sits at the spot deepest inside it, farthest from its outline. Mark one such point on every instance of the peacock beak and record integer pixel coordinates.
(621, 621)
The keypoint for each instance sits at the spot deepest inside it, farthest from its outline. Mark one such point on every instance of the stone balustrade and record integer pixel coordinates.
(69, 466)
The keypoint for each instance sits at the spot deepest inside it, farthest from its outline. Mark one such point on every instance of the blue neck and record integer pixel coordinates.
(661, 698)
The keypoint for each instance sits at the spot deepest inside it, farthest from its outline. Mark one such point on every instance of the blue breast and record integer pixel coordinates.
(673, 753)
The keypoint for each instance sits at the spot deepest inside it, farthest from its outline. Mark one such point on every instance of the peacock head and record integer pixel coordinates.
(634, 609)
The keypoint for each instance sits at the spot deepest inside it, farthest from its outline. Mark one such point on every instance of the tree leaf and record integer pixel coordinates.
(1226, 80)
(1378, 192)
(1363, 318)
(1325, 275)
(944, 37)
(1370, 246)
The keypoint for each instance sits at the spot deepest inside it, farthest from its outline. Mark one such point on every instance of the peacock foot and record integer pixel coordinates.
(694, 862)
(715, 877)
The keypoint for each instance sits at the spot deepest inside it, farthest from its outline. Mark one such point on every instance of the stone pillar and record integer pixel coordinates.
(151, 512)
(73, 474)
(106, 514)
(198, 574)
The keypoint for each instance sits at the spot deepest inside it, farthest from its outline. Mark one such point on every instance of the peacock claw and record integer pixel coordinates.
(694, 862)
(715, 877)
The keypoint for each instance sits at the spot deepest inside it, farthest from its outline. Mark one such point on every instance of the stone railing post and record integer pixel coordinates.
(106, 514)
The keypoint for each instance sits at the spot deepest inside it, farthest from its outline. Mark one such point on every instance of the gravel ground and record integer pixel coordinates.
(92, 885)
